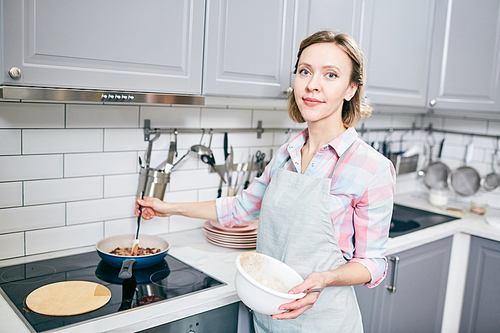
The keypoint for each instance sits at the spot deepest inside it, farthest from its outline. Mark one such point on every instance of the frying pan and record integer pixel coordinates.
(437, 173)
(108, 244)
(465, 180)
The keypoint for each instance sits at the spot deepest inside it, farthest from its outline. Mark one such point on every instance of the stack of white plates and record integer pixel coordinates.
(242, 236)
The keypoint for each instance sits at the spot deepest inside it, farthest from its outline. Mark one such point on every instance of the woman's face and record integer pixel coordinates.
(322, 82)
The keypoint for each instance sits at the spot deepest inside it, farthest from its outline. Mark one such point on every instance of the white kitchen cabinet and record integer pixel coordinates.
(442, 54)
(313, 16)
(154, 45)
(481, 307)
(248, 47)
(396, 39)
(417, 303)
(465, 63)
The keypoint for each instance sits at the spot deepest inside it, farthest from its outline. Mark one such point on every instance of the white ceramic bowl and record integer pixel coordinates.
(262, 282)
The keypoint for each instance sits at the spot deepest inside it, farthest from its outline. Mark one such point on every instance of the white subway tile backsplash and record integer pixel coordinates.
(171, 116)
(225, 118)
(155, 226)
(120, 185)
(193, 179)
(62, 141)
(181, 196)
(11, 194)
(31, 218)
(245, 103)
(12, 245)
(94, 164)
(132, 139)
(31, 115)
(10, 142)
(101, 116)
(62, 190)
(100, 210)
(27, 167)
(272, 119)
(67, 237)
(180, 223)
(468, 125)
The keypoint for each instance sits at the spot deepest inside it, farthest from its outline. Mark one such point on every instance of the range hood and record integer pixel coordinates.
(104, 96)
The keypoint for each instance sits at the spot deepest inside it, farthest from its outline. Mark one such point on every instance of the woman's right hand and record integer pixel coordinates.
(152, 207)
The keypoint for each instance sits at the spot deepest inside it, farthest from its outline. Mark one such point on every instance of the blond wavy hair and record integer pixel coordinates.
(354, 109)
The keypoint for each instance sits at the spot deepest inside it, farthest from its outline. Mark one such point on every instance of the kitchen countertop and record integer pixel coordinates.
(192, 248)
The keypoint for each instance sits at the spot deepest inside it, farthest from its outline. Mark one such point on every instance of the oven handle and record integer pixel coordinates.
(394, 276)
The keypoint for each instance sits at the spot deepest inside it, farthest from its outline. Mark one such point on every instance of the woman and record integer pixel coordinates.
(324, 201)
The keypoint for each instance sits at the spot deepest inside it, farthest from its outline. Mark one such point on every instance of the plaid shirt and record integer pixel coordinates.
(361, 196)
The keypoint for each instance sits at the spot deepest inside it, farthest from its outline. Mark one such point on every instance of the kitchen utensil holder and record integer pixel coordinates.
(404, 164)
(153, 183)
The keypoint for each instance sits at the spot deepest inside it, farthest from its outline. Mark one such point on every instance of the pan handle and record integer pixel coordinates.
(126, 269)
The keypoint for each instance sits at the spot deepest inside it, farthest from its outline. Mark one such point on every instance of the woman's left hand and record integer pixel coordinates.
(298, 307)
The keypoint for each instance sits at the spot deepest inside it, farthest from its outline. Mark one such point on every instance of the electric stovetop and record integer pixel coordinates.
(159, 283)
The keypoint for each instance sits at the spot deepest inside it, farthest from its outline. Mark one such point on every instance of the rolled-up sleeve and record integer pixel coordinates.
(245, 206)
(372, 219)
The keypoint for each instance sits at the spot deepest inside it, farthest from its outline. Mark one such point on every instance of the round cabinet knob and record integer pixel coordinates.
(15, 73)
(432, 102)
(288, 90)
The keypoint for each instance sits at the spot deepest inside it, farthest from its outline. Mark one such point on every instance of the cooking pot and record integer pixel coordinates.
(126, 263)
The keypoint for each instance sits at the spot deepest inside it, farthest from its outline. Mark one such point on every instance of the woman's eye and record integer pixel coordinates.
(304, 72)
(331, 75)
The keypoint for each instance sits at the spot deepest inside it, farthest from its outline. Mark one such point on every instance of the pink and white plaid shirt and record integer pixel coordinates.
(361, 196)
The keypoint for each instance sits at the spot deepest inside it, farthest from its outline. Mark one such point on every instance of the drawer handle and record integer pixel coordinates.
(394, 276)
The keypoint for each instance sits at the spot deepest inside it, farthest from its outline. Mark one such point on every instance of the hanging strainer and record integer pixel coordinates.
(465, 180)
(492, 180)
(437, 173)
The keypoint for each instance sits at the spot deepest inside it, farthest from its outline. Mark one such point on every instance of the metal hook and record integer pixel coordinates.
(202, 135)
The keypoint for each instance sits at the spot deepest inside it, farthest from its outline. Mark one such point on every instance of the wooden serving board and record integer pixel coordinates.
(68, 298)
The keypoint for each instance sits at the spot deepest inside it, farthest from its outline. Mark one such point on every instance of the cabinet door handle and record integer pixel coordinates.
(15, 73)
(394, 276)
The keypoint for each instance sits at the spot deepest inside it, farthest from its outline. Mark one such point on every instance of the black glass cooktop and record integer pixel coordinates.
(407, 219)
(159, 283)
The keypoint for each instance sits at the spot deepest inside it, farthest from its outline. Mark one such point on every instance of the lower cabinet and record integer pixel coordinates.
(481, 306)
(411, 298)
(219, 320)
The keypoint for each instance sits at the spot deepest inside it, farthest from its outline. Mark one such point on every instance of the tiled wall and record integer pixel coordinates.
(69, 172)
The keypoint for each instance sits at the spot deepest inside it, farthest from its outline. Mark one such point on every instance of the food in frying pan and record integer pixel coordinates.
(127, 251)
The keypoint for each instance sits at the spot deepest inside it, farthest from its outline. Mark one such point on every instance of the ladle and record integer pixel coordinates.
(205, 154)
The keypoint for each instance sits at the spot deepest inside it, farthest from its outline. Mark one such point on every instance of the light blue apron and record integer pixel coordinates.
(295, 227)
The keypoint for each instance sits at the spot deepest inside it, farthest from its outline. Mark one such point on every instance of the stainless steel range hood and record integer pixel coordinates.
(103, 96)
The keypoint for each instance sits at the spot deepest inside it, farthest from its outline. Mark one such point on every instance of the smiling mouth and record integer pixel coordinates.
(311, 101)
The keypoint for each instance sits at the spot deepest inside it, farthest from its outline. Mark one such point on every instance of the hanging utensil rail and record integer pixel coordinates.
(259, 130)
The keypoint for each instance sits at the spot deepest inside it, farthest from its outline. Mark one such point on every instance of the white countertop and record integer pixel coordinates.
(192, 248)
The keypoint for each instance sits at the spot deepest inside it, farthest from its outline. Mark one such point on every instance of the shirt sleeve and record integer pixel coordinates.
(372, 219)
(246, 206)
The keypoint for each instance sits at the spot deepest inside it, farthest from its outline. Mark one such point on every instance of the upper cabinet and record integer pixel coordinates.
(313, 16)
(420, 53)
(154, 45)
(465, 62)
(433, 53)
(396, 39)
(248, 47)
